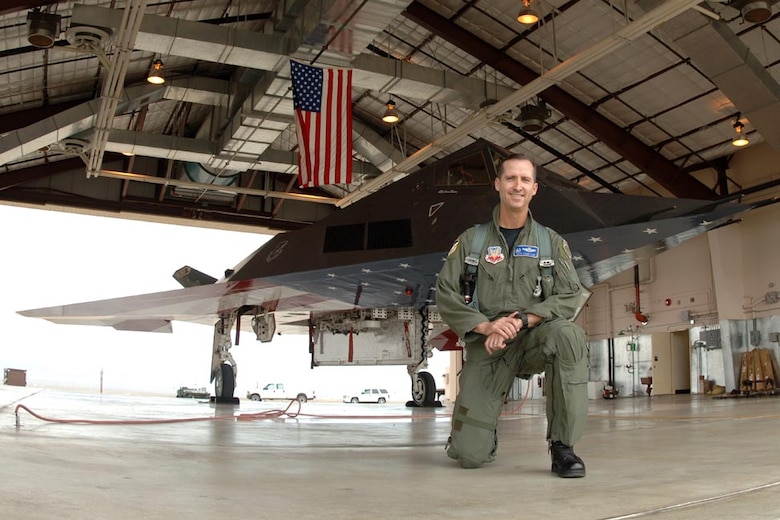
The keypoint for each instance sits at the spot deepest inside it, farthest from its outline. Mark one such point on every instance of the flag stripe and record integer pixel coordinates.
(347, 143)
(338, 128)
(323, 106)
(304, 122)
(328, 148)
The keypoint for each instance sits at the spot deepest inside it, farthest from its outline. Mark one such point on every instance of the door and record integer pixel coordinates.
(671, 363)
(681, 362)
(662, 363)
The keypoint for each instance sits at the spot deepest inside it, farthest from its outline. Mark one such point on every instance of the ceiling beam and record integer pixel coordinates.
(18, 177)
(13, 6)
(662, 170)
(171, 212)
(732, 67)
(212, 187)
(479, 118)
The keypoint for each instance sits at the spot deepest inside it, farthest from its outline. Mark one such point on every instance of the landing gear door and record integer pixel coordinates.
(264, 326)
(367, 337)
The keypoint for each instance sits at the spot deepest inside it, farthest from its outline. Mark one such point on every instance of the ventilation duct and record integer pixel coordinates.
(201, 174)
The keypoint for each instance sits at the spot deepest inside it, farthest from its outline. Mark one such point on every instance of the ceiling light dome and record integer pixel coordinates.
(42, 29)
(756, 12)
(740, 139)
(533, 116)
(156, 77)
(391, 114)
(527, 15)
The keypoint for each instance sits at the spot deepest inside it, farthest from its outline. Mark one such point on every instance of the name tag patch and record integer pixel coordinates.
(529, 251)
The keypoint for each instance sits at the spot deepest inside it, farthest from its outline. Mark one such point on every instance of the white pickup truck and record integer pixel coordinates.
(278, 391)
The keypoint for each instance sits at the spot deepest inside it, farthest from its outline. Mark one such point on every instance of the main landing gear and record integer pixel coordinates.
(423, 390)
(224, 371)
(223, 366)
(225, 385)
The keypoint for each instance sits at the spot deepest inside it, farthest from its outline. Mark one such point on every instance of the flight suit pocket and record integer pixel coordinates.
(497, 376)
(488, 292)
(572, 373)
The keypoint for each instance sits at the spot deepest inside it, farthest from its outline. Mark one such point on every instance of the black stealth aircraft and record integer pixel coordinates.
(361, 282)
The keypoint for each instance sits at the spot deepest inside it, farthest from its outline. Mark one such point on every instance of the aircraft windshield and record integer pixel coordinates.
(468, 171)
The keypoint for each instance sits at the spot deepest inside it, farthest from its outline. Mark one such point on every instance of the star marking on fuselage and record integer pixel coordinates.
(405, 266)
(595, 240)
(650, 231)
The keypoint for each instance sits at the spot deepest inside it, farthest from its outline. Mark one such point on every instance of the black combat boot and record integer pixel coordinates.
(565, 462)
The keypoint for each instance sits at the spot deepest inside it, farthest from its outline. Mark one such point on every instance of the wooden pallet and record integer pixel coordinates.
(756, 373)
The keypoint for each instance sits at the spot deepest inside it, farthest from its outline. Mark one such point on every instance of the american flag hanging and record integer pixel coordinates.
(323, 116)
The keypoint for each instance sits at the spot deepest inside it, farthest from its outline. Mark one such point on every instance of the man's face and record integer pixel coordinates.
(516, 186)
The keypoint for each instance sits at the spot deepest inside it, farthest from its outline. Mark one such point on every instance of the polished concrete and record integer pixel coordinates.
(664, 457)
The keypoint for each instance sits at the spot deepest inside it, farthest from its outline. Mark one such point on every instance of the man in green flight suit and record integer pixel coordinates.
(516, 325)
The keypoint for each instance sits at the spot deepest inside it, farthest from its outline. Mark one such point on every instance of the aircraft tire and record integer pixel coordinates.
(424, 390)
(302, 398)
(225, 382)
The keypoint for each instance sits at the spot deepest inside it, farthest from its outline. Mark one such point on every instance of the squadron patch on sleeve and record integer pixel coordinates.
(453, 248)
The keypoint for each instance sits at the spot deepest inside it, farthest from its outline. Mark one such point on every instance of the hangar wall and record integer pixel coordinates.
(722, 290)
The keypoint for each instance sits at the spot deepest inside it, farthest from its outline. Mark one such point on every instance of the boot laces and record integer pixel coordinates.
(563, 452)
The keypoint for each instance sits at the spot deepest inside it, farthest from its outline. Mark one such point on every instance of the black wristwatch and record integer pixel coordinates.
(524, 318)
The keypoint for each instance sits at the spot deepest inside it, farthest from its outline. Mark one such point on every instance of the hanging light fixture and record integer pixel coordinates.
(155, 76)
(42, 28)
(527, 15)
(391, 115)
(740, 139)
(755, 11)
(533, 115)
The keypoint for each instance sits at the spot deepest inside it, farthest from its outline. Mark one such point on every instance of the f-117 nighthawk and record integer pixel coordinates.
(361, 282)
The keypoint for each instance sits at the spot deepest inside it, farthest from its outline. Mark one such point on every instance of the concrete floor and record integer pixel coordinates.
(665, 457)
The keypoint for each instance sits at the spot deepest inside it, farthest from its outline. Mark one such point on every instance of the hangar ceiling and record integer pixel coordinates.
(622, 96)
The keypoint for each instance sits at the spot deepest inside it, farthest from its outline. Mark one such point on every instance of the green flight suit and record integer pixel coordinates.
(506, 280)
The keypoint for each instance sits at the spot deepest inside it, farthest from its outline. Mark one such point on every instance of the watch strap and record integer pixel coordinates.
(524, 318)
